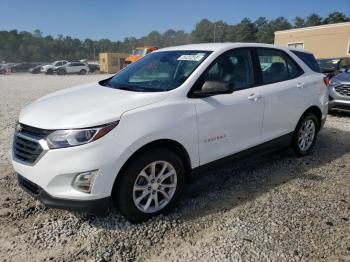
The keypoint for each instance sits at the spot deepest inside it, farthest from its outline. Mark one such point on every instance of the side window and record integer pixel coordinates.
(234, 66)
(309, 60)
(276, 66)
(293, 69)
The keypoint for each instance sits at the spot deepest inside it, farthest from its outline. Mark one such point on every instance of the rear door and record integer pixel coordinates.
(284, 90)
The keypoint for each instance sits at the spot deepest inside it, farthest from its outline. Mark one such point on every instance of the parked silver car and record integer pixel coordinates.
(339, 91)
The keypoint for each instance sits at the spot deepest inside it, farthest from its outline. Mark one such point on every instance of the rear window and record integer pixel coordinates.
(309, 60)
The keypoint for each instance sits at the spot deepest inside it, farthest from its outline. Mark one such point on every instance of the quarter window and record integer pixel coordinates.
(276, 66)
(234, 67)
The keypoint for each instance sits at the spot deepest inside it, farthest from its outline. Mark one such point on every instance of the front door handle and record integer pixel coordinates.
(300, 85)
(254, 97)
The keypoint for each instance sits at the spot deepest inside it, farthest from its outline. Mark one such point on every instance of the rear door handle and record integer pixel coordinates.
(300, 85)
(254, 97)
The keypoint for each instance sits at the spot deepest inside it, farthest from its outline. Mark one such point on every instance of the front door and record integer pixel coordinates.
(229, 123)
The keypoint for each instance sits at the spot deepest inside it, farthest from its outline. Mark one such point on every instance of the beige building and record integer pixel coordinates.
(111, 63)
(324, 41)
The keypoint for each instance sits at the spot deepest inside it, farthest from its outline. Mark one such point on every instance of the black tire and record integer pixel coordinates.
(61, 72)
(295, 142)
(123, 191)
(49, 72)
(82, 72)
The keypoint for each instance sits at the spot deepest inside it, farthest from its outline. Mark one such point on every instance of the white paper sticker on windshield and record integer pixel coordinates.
(197, 57)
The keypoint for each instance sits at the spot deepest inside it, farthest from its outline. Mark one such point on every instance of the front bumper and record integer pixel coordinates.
(337, 101)
(99, 207)
(339, 104)
(55, 170)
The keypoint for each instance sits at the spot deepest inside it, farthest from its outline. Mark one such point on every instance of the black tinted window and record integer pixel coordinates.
(276, 66)
(309, 60)
(234, 67)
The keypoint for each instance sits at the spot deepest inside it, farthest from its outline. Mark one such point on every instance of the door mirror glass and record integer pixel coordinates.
(212, 88)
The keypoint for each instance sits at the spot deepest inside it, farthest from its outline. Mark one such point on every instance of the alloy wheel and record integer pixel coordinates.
(154, 186)
(306, 135)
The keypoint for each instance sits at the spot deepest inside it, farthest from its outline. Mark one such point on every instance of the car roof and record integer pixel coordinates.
(224, 46)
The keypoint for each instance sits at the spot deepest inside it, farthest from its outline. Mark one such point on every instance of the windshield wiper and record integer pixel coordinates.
(131, 88)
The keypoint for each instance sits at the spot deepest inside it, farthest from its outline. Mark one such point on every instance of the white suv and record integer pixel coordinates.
(135, 139)
(73, 68)
(51, 68)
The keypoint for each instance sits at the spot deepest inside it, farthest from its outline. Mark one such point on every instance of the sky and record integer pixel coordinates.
(118, 19)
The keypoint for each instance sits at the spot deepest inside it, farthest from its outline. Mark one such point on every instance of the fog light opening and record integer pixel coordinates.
(84, 181)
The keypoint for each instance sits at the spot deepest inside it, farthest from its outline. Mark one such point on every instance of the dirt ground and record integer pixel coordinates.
(274, 207)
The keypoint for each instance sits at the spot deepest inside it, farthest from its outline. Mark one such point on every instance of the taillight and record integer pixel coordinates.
(326, 80)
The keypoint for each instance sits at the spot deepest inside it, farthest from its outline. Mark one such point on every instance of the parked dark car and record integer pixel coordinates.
(334, 66)
(2, 69)
(23, 67)
(36, 69)
(94, 67)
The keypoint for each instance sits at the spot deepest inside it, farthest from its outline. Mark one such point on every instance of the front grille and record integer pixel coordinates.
(343, 90)
(26, 146)
(38, 133)
(28, 185)
(341, 107)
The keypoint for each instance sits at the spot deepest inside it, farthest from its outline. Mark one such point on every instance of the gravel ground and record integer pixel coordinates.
(269, 208)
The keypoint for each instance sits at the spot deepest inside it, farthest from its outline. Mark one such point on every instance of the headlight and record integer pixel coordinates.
(76, 137)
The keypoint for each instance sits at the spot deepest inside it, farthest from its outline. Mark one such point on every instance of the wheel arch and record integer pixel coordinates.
(316, 111)
(161, 143)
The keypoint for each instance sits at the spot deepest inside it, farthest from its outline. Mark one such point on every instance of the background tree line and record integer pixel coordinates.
(24, 46)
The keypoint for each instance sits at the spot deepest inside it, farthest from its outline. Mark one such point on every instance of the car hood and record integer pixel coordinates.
(84, 106)
(342, 78)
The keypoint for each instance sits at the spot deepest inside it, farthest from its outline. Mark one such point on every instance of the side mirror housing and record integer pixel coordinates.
(212, 88)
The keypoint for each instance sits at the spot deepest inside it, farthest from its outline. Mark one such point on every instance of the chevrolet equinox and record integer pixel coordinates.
(135, 139)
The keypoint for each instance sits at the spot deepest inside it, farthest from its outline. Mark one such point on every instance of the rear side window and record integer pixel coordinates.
(276, 66)
(309, 60)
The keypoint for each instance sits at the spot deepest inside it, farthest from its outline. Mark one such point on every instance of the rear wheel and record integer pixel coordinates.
(82, 72)
(305, 134)
(151, 184)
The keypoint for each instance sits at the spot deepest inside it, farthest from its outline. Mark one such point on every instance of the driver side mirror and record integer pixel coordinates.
(212, 88)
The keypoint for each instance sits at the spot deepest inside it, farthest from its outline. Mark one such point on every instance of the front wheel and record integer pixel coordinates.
(61, 72)
(151, 184)
(305, 135)
(82, 72)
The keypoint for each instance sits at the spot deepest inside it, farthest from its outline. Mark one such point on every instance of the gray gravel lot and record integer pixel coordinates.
(274, 207)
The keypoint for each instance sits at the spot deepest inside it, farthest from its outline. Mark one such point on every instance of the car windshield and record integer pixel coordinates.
(328, 62)
(159, 71)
